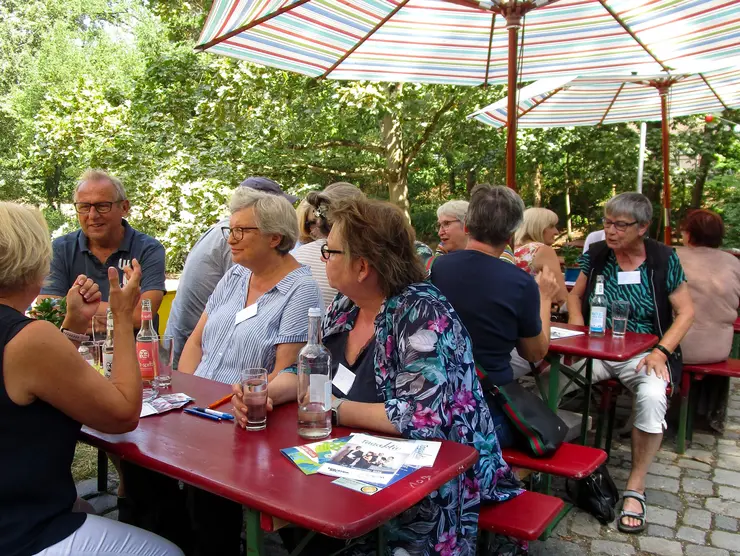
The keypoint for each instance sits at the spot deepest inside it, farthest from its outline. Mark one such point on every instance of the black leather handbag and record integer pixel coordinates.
(597, 494)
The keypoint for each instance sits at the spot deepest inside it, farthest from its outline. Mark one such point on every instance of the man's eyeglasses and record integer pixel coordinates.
(100, 208)
(237, 233)
(620, 226)
(326, 252)
(445, 224)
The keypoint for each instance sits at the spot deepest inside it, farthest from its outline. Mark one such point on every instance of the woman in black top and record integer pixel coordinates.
(47, 391)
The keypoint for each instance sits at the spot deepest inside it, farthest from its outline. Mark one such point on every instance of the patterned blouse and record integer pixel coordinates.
(525, 254)
(424, 372)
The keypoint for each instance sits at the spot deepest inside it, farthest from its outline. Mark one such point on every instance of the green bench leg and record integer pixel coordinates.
(255, 542)
(587, 400)
(683, 419)
(554, 523)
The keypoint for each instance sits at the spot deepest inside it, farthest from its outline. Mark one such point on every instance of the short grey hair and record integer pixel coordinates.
(494, 214)
(631, 204)
(273, 214)
(92, 174)
(455, 208)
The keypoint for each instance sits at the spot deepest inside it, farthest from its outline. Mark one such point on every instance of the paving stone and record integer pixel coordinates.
(721, 539)
(693, 501)
(665, 470)
(663, 547)
(654, 530)
(585, 524)
(620, 473)
(661, 483)
(103, 503)
(724, 522)
(694, 550)
(692, 535)
(704, 439)
(664, 499)
(611, 547)
(729, 450)
(724, 507)
(725, 477)
(697, 486)
(699, 455)
(725, 441)
(87, 488)
(557, 546)
(693, 464)
(695, 474)
(698, 518)
(728, 462)
(661, 516)
(729, 493)
(112, 515)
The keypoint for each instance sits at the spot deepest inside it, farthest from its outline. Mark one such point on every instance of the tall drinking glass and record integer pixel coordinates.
(164, 362)
(254, 386)
(620, 314)
(99, 328)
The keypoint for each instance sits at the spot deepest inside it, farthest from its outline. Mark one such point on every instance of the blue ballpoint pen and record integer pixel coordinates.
(221, 414)
(192, 411)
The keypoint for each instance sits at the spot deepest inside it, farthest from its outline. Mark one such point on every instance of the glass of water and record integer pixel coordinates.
(254, 386)
(164, 362)
(620, 314)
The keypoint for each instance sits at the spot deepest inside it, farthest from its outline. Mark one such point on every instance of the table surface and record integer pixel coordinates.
(248, 467)
(737, 325)
(606, 348)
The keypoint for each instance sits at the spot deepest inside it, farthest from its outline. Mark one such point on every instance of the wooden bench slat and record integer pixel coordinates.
(525, 517)
(570, 460)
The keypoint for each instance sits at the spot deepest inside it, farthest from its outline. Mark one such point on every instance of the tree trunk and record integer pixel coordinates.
(471, 179)
(538, 186)
(51, 186)
(451, 173)
(705, 162)
(396, 172)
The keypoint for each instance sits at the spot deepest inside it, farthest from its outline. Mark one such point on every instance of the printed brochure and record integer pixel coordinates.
(164, 403)
(310, 457)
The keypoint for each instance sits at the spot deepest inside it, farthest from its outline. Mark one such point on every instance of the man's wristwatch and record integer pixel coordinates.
(336, 402)
(663, 350)
(74, 336)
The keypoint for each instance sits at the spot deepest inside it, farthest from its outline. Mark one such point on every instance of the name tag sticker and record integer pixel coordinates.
(344, 379)
(626, 278)
(246, 313)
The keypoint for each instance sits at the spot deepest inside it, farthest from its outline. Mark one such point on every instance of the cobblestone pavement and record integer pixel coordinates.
(693, 502)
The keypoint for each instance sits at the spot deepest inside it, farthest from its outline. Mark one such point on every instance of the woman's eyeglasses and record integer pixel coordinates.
(326, 253)
(620, 226)
(445, 224)
(237, 232)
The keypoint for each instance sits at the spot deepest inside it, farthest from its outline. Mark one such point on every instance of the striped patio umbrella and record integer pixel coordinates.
(471, 42)
(598, 99)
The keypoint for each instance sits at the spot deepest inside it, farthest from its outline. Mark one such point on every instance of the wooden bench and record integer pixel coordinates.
(570, 460)
(525, 517)
(729, 368)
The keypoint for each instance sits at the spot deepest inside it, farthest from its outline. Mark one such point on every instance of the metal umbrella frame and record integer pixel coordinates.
(460, 41)
(598, 100)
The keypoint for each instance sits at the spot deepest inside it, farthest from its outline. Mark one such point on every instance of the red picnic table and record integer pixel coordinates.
(605, 348)
(248, 468)
(737, 325)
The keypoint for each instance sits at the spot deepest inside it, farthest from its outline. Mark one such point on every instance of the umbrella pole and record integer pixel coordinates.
(513, 19)
(666, 166)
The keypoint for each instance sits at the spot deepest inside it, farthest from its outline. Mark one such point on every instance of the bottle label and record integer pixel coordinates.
(319, 390)
(599, 288)
(597, 322)
(146, 315)
(146, 353)
(107, 364)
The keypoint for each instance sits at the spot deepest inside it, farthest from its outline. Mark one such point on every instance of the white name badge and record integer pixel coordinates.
(626, 278)
(344, 379)
(246, 313)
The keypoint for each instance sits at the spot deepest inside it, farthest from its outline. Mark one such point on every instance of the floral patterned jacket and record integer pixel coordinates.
(424, 374)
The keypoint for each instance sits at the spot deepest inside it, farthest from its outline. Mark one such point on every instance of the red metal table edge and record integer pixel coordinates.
(258, 504)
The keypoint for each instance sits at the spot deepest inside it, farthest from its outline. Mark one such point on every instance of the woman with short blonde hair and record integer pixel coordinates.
(533, 247)
(306, 223)
(46, 399)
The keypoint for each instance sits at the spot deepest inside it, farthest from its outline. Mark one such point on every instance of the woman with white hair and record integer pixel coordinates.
(533, 252)
(267, 282)
(450, 227)
(48, 391)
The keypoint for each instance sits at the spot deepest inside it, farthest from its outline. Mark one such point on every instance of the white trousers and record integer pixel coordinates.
(103, 537)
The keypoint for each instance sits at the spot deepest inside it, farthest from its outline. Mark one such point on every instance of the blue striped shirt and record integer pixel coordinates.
(282, 318)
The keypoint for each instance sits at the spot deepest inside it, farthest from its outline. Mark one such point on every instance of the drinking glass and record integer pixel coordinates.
(99, 326)
(254, 386)
(164, 361)
(96, 350)
(620, 314)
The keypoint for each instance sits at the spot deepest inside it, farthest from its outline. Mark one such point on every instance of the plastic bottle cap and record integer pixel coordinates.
(314, 312)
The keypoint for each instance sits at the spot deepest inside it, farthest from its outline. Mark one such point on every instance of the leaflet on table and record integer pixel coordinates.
(310, 457)
(369, 459)
(556, 333)
(372, 488)
(164, 403)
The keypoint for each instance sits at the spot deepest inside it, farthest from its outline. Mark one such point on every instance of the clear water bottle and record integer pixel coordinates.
(87, 355)
(108, 345)
(147, 343)
(314, 383)
(597, 320)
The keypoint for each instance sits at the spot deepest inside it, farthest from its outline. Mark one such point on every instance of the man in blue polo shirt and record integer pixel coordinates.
(105, 239)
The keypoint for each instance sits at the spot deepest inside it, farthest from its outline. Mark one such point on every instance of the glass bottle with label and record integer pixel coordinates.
(108, 345)
(146, 351)
(314, 383)
(597, 320)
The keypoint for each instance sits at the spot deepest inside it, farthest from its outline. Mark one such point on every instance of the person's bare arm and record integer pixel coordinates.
(64, 380)
(371, 416)
(192, 353)
(535, 348)
(285, 356)
(155, 297)
(575, 298)
(546, 257)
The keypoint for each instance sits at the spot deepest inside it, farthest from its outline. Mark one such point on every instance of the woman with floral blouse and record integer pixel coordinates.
(413, 370)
